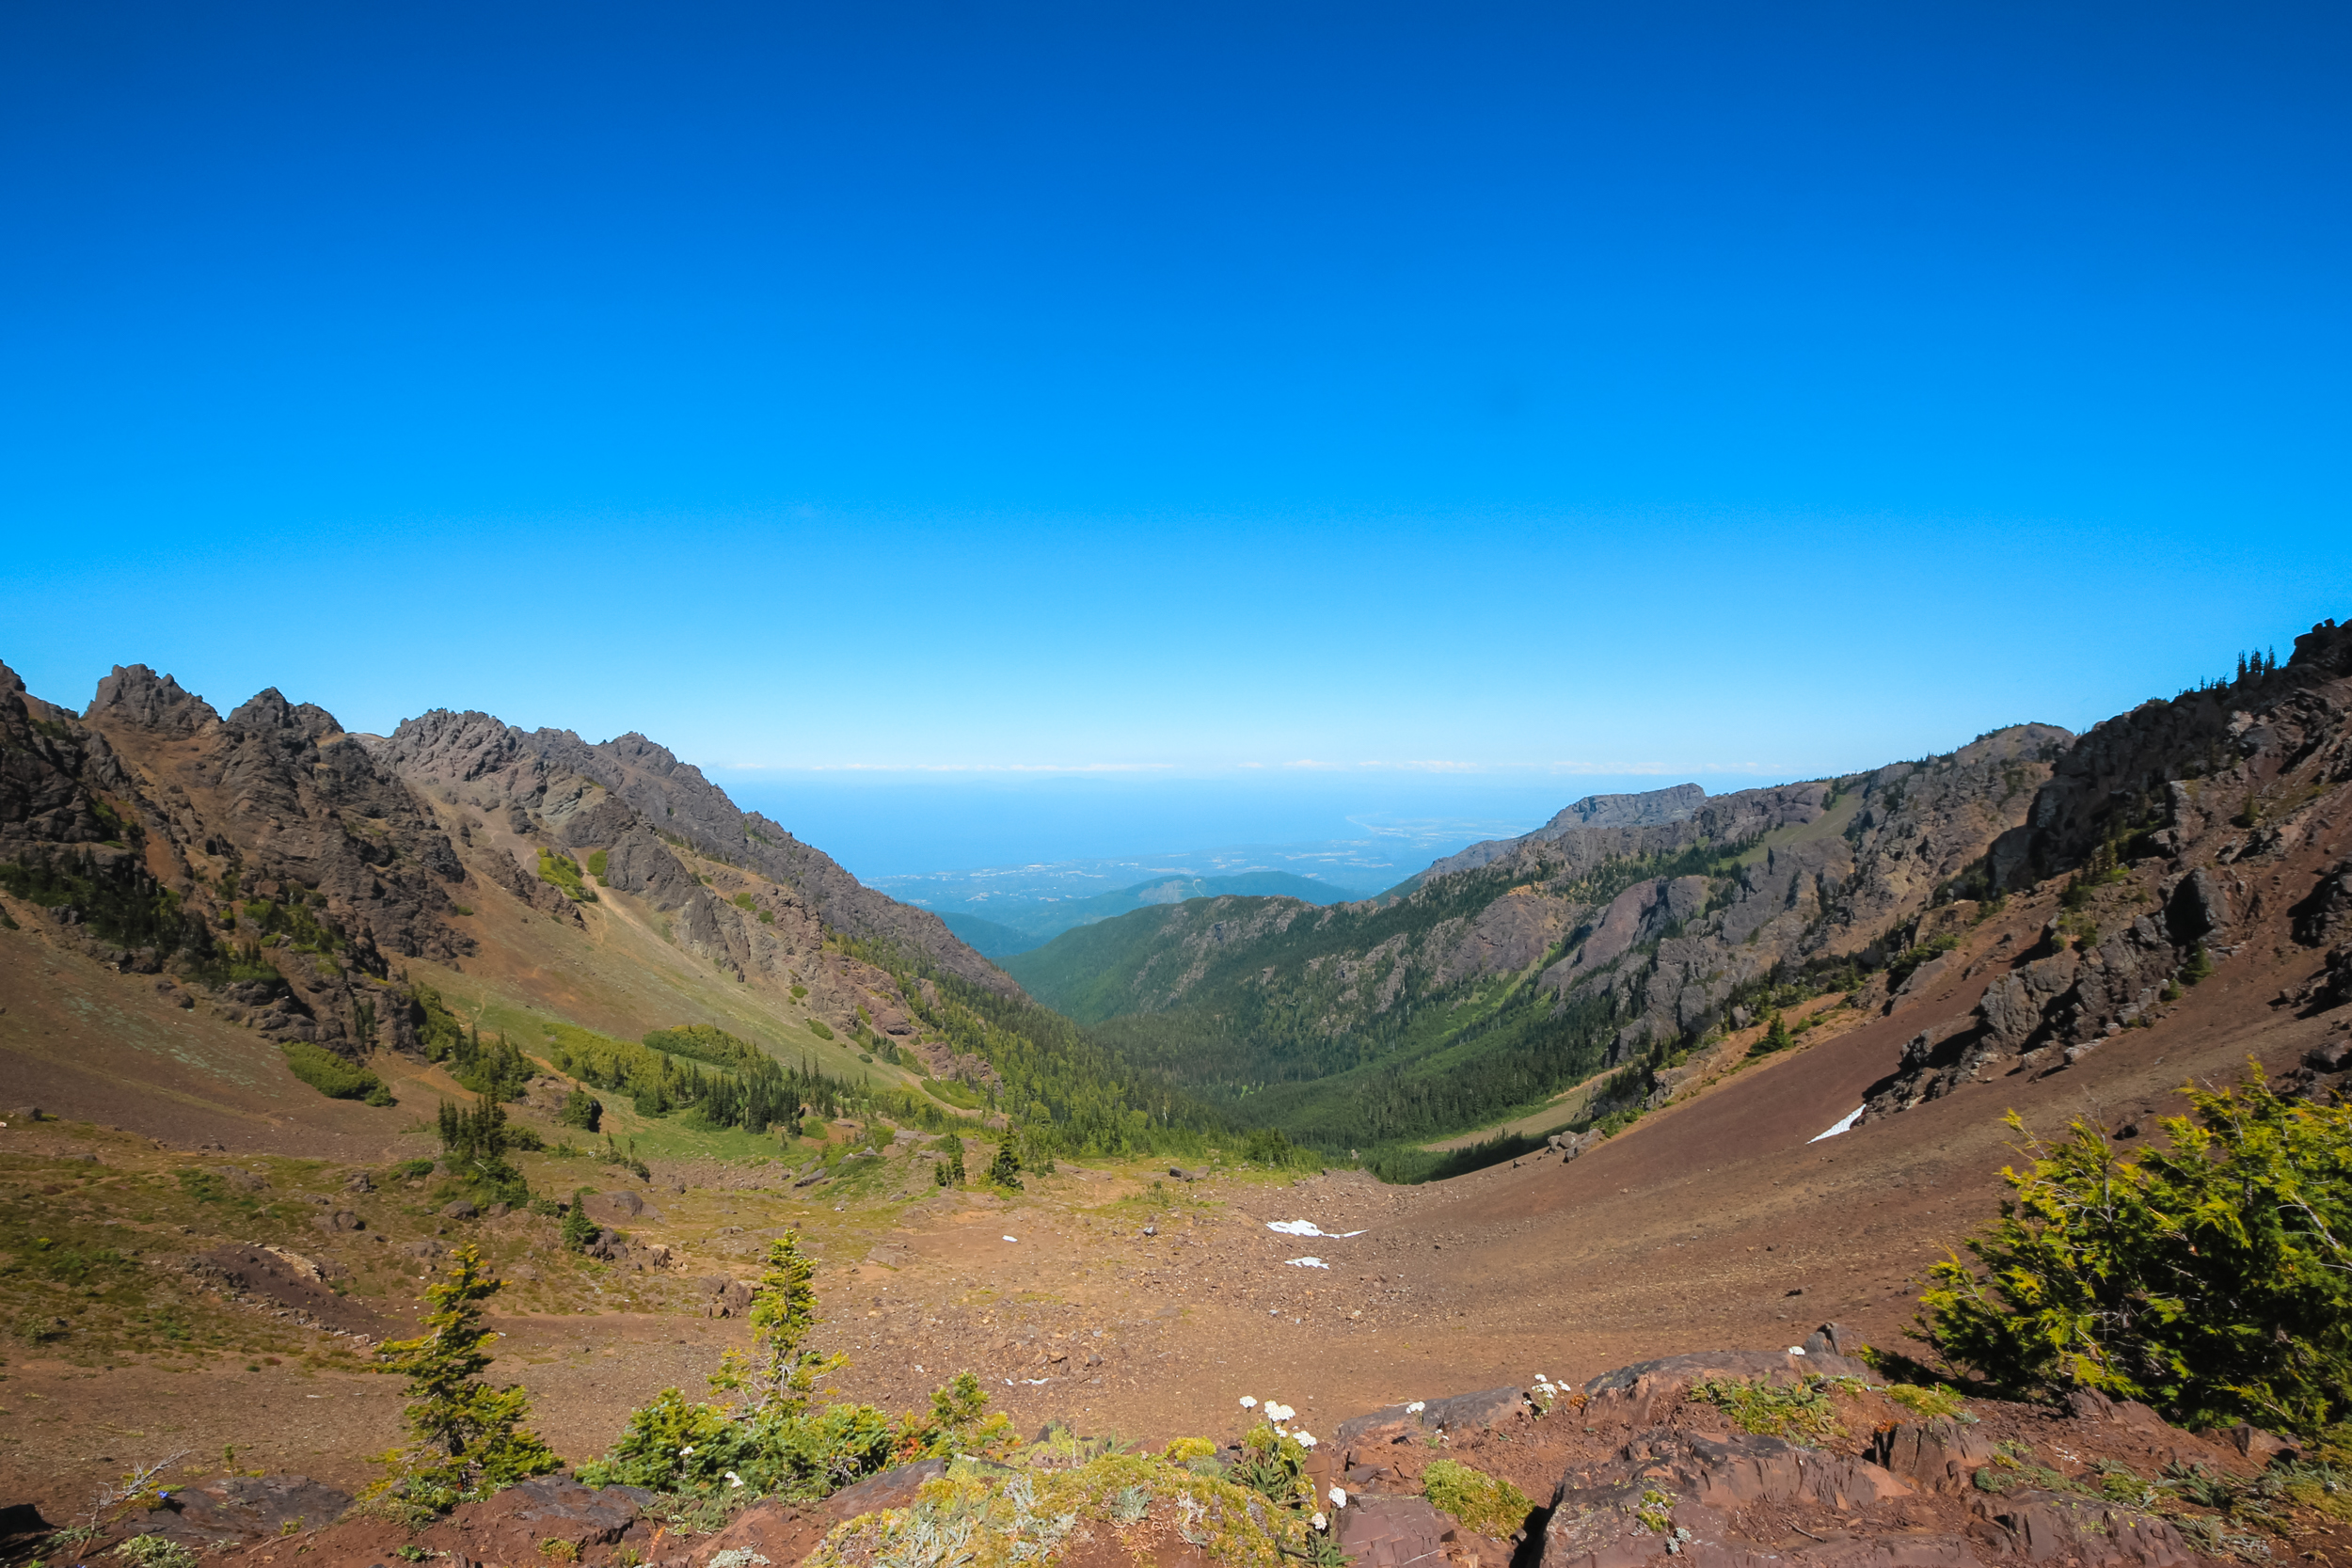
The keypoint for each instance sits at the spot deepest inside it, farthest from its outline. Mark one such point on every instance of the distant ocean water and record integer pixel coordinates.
(893, 826)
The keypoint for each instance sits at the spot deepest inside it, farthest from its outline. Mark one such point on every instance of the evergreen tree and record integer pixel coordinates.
(1005, 1170)
(784, 1310)
(2211, 1280)
(470, 1437)
(949, 1171)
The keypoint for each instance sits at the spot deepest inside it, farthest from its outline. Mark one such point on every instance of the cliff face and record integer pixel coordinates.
(2186, 832)
(1666, 913)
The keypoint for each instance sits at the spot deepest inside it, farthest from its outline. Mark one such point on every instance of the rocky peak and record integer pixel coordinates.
(448, 747)
(134, 694)
(268, 709)
(1649, 808)
(1640, 810)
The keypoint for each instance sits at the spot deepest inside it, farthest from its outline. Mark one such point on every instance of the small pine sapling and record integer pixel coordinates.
(784, 1310)
(470, 1437)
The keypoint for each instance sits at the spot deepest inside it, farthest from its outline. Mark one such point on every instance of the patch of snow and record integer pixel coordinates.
(1306, 1262)
(1843, 1124)
(1309, 1228)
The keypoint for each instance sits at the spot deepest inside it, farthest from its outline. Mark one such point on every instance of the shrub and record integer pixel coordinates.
(582, 1110)
(949, 1171)
(563, 872)
(817, 1027)
(2212, 1279)
(1930, 1402)
(1800, 1410)
(468, 1437)
(1487, 1504)
(332, 1076)
(777, 1442)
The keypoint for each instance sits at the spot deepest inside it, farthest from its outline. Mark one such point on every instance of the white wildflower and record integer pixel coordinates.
(735, 1479)
(1249, 1402)
(1416, 1407)
(1306, 1438)
(1338, 1496)
(1318, 1521)
(683, 1452)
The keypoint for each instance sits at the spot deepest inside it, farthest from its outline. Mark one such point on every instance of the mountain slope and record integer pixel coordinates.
(267, 885)
(1618, 934)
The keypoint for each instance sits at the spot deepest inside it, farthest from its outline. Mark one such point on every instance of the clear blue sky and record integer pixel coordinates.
(1576, 391)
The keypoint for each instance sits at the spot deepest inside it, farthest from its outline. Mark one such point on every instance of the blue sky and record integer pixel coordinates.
(957, 392)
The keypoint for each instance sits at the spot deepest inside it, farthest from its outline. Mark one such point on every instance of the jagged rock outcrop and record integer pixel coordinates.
(262, 858)
(2221, 790)
(636, 801)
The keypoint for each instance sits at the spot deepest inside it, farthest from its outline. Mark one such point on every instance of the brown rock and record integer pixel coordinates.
(1392, 1532)
(776, 1531)
(888, 1489)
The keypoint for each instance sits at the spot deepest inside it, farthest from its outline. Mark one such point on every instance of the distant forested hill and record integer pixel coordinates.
(986, 937)
(1001, 927)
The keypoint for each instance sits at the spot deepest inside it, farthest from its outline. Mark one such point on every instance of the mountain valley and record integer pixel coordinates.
(1693, 1073)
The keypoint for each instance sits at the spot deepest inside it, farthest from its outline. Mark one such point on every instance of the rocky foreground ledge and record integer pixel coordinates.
(1671, 1458)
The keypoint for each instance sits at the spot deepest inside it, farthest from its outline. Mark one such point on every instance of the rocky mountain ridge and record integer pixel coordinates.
(1626, 930)
(277, 868)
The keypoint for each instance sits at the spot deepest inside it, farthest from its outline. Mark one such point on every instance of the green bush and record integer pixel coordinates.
(778, 1444)
(1799, 1410)
(595, 865)
(1487, 1504)
(818, 1028)
(949, 1171)
(563, 872)
(2211, 1280)
(1931, 1402)
(332, 1076)
(582, 1110)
